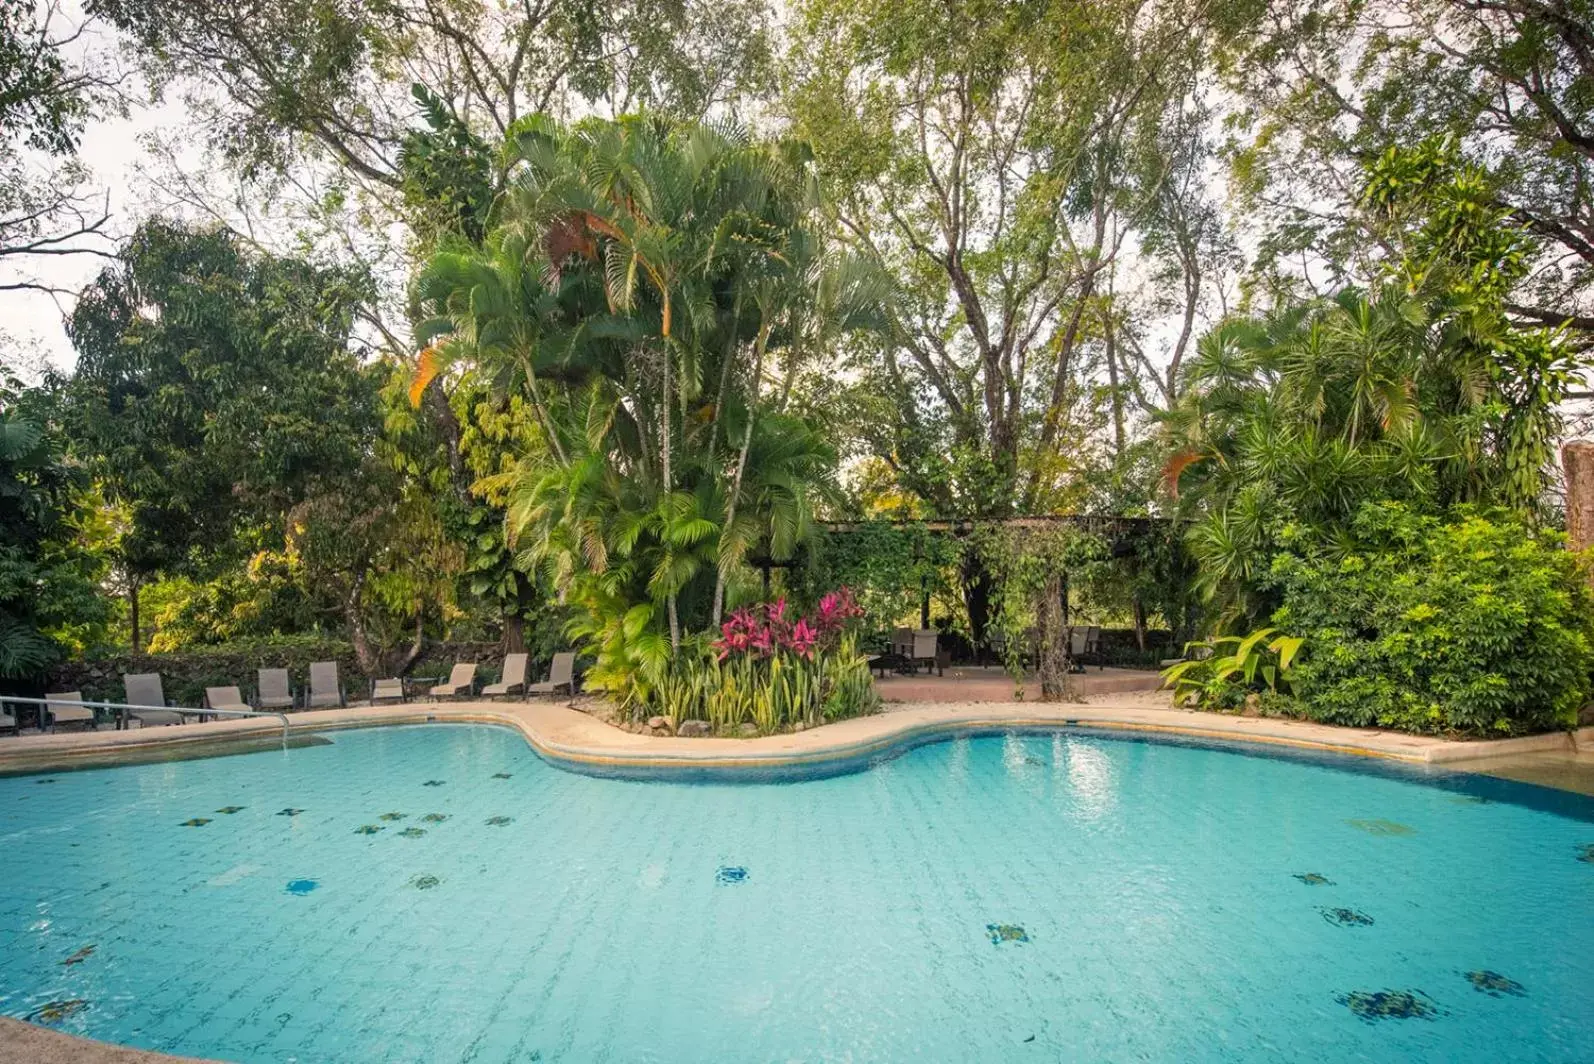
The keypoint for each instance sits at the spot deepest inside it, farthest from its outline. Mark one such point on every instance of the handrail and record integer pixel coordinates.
(125, 706)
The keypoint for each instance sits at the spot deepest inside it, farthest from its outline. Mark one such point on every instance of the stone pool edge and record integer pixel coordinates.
(574, 740)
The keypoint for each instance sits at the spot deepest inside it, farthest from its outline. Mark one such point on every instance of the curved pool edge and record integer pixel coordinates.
(27, 1043)
(579, 742)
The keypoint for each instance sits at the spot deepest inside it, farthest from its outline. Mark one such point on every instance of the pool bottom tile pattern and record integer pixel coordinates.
(1145, 901)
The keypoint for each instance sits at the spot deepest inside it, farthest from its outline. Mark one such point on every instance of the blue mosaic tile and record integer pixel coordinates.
(1001, 933)
(1374, 1005)
(731, 874)
(1494, 984)
(301, 887)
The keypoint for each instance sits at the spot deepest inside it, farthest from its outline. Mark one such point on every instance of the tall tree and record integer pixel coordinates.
(1002, 158)
(215, 389)
(1326, 84)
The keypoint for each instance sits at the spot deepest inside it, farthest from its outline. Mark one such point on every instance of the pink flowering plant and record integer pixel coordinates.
(773, 668)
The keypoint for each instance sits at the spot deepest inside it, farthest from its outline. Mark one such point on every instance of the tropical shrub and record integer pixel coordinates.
(774, 670)
(1474, 624)
(1222, 673)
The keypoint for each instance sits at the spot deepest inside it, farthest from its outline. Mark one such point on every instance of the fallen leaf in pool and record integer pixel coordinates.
(499, 821)
(230, 809)
(501, 775)
(301, 887)
(80, 956)
(1494, 984)
(412, 833)
(367, 829)
(1312, 879)
(433, 783)
(434, 818)
(196, 822)
(1586, 853)
(1382, 827)
(1375, 1005)
(1346, 917)
(391, 816)
(424, 882)
(290, 812)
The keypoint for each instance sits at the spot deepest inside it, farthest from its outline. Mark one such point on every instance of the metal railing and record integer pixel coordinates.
(125, 707)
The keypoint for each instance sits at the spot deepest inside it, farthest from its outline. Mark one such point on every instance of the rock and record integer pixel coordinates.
(692, 729)
(659, 725)
(801, 725)
(748, 730)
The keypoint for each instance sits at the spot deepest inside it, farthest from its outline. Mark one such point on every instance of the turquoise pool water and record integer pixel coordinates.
(1005, 898)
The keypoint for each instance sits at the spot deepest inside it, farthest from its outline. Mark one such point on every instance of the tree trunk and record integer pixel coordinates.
(1117, 392)
(741, 466)
(514, 634)
(669, 485)
(1053, 650)
(132, 613)
(1140, 623)
(1577, 459)
(977, 588)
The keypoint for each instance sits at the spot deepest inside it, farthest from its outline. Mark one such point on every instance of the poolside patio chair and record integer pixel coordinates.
(63, 712)
(144, 689)
(325, 687)
(925, 648)
(225, 698)
(902, 642)
(275, 689)
(1093, 646)
(561, 674)
(461, 681)
(8, 720)
(513, 679)
(388, 690)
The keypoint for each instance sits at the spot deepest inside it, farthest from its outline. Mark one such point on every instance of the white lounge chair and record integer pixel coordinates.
(64, 712)
(562, 674)
(461, 681)
(325, 687)
(144, 689)
(276, 690)
(513, 680)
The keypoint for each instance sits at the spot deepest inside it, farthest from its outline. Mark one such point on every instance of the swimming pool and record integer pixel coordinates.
(439, 893)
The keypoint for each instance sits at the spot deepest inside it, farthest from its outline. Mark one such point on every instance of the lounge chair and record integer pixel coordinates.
(144, 689)
(276, 691)
(325, 688)
(65, 712)
(562, 674)
(225, 698)
(925, 648)
(461, 681)
(8, 720)
(513, 679)
(388, 690)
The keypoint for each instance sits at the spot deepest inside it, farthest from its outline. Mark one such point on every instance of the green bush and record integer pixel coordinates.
(1469, 624)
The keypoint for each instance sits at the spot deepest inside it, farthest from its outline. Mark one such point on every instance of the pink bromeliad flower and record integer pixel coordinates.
(802, 639)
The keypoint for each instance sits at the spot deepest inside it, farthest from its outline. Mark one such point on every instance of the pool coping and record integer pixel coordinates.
(582, 743)
(578, 741)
